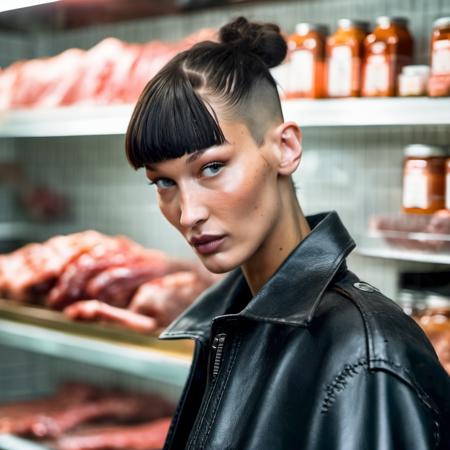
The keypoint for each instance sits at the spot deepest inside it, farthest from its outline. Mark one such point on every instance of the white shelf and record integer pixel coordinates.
(368, 111)
(113, 120)
(404, 255)
(68, 121)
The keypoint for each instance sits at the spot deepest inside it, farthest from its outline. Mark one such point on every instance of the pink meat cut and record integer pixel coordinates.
(28, 274)
(147, 436)
(113, 252)
(155, 304)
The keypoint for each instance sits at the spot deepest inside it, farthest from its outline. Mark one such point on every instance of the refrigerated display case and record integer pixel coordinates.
(49, 333)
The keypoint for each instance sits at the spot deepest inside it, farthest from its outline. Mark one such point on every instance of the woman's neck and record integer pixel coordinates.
(288, 232)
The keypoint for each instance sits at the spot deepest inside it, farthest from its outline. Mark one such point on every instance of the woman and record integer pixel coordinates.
(292, 350)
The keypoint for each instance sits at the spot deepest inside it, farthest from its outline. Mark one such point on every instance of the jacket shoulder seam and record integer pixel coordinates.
(340, 382)
(349, 371)
(408, 379)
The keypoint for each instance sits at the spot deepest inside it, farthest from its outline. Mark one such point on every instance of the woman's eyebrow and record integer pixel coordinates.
(196, 155)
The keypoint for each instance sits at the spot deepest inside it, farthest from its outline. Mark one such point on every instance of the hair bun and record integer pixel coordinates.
(262, 39)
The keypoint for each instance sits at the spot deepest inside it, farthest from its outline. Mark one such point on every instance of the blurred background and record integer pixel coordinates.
(368, 81)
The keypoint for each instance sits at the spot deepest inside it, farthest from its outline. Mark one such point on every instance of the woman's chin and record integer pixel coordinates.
(217, 265)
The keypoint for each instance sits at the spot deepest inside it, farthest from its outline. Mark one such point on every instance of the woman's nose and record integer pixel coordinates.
(193, 210)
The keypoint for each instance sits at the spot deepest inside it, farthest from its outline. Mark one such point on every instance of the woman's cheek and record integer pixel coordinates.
(169, 211)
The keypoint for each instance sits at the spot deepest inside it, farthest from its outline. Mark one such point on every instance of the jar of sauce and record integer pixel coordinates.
(413, 81)
(447, 185)
(387, 49)
(434, 319)
(344, 52)
(307, 61)
(439, 84)
(424, 179)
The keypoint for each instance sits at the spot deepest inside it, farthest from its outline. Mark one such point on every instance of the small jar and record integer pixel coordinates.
(307, 61)
(413, 81)
(411, 301)
(434, 319)
(387, 49)
(447, 185)
(424, 179)
(439, 83)
(345, 51)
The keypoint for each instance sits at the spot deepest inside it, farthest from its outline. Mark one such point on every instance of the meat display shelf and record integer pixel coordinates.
(113, 119)
(404, 255)
(49, 332)
(11, 442)
(368, 112)
(414, 246)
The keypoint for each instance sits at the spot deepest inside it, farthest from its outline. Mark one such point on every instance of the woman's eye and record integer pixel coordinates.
(162, 183)
(212, 169)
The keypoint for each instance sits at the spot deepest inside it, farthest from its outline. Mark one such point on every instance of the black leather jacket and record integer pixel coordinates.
(316, 360)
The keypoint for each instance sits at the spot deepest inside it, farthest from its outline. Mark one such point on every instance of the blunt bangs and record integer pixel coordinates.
(170, 119)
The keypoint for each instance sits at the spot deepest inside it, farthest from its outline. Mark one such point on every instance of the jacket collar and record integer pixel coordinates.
(290, 296)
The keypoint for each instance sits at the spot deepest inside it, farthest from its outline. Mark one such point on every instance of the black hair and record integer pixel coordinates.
(175, 115)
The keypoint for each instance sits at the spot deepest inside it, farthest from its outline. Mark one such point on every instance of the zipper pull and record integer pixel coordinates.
(217, 347)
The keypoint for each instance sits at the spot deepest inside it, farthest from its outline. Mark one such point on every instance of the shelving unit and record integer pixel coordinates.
(102, 346)
(51, 333)
(113, 119)
(404, 255)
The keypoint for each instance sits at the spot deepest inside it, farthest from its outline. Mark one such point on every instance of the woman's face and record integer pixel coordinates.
(228, 193)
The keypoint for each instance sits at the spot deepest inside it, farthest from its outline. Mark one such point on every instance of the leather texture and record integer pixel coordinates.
(316, 360)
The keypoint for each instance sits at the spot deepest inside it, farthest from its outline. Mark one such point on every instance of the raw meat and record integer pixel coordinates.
(118, 407)
(18, 418)
(111, 71)
(45, 82)
(75, 405)
(148, 436)
(71, 285)
(396, 229)
(95, 310)
(154, 56)
(28, 273)
(165, 298)
(155, 304)
(116, 285)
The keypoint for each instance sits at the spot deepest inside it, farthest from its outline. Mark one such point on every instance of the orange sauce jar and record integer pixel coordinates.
(447, 185)
(307, 61)
(344, 53)
(387, 49)
(424, 179)
(439, 84)
(434, 319)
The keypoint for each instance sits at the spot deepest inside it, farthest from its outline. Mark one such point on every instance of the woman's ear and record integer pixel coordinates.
(289, 140)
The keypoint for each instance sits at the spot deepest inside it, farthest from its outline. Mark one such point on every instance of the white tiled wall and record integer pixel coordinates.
(25, 375)
(13, 47)
(355, 171)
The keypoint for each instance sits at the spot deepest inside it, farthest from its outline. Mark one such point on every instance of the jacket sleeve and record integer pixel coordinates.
(375, 410)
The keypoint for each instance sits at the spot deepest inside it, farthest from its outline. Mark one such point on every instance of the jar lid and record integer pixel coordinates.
(416, 70)
(409, 296)
(436, 301)
(424, 151)
(303, 28)
(386, 21)
(349, 23)
(442, 22)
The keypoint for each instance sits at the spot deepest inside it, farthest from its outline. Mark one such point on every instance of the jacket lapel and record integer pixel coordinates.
(290, 296)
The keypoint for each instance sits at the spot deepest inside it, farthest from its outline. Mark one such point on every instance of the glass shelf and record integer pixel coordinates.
(408, 237)
(84, 120)
(51, 333)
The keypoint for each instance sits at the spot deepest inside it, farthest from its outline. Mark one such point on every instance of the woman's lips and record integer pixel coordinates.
(209, 247)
